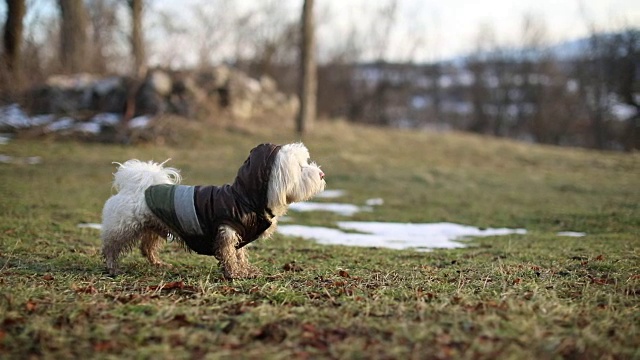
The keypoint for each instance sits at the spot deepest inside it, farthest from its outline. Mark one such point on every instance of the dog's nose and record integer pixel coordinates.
(321, 175)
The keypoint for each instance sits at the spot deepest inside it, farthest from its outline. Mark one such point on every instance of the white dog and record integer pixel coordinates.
(210, 220)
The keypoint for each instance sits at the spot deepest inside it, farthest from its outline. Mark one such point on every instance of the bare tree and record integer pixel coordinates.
(212, 29)
(73, 52)
(13, 29)
(308, 80)
(382, 27)
(479, 66)
(624, 71)
(104, 23)
(137, 38)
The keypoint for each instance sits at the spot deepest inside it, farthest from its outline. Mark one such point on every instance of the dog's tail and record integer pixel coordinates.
(135, 175)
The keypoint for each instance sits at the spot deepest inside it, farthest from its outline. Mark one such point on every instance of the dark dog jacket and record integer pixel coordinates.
(195, 213)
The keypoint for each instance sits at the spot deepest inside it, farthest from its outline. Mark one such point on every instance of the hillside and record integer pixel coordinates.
(537, 295)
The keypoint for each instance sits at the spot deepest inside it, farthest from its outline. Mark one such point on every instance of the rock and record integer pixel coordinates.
(92, 107)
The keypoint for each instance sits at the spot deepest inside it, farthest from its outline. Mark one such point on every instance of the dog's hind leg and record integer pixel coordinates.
(150, 242)
(115, 243)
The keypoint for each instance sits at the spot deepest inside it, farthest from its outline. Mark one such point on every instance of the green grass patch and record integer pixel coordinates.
(519, 296)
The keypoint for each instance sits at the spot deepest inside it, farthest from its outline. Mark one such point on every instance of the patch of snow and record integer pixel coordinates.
(622, 111)
(12, 116)
(139, 122)
(88, 127)
(374, 202)
(5, 138)
(109, 119)
(420, 102)
(341, 209)
(6, 159)
(331, 194)
(63, 123)
(90, 226)
(571, 234)
(398, 236)
(31, 160)
(39, 120)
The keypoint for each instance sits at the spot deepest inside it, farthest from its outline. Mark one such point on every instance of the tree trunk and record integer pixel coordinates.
(73, 36)
(13, 41)
(137, 38)
(308, 80)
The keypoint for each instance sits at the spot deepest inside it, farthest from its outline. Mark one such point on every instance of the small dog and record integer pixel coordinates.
(210, 220)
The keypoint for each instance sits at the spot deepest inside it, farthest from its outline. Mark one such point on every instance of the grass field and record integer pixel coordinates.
(530, 296)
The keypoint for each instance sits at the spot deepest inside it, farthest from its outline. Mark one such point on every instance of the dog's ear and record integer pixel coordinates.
(286, 173)
(279, 182)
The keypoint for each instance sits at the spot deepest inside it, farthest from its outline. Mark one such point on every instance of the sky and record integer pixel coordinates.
(427, 30)
(450, 28)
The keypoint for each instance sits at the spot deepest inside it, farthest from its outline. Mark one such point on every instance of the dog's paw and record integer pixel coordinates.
(112, 272)
(253, 272)
(244, 273)
(162, 264)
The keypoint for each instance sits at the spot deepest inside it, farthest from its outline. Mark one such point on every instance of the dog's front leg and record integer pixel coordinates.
(227, 254)
(243, 260)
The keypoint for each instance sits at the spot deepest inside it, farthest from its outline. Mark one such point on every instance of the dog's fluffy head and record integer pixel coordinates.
(293, 178)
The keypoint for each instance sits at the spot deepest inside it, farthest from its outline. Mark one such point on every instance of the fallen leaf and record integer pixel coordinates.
(292, 266)
(271, 332)
(172, 286)
(180, 320)
(86, 290)
(600, 281)
(309, 328)
(103, 346)
(228, 290)
(31, 305)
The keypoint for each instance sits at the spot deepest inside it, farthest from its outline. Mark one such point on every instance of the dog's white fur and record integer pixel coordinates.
(127, 221)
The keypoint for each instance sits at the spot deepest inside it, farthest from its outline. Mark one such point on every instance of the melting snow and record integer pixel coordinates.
(374, 202)
(5, 138)
(88, 127)
(394, 235)
(341, 209)
(331, 194)
(63, 123)
(31, 160)
(110, 119)
(338, 208)
(90, 226)
(139, 122)
(571, 234)
(13, 117)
